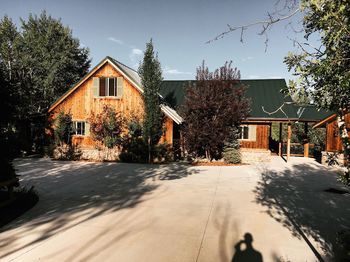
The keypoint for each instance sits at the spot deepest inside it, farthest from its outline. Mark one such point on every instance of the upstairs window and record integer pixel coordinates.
(79, 128)
(108, 86)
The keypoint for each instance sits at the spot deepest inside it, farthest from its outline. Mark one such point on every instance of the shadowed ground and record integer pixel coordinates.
(133, 212)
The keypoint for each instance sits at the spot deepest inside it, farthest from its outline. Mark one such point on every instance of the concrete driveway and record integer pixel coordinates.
(133, 212)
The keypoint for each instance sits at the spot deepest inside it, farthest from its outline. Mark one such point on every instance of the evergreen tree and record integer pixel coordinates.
(151, 80)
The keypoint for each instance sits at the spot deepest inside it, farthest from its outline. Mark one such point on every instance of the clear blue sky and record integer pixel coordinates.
(179, 30)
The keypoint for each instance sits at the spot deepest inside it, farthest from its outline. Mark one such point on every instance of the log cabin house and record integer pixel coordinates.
(113, 83)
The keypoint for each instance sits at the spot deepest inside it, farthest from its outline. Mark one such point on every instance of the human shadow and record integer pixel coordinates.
(72, 193)
(249, 254)
(299, 197)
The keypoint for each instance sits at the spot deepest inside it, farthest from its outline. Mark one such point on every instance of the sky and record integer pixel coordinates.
(179, 29)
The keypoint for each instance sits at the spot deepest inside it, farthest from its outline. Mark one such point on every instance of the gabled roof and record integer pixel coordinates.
(130, 74)
(265, 95)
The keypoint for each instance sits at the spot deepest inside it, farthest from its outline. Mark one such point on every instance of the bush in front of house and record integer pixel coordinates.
(106, 128)
(64, 128)
(64, 149)
(163, 153)
(231, 153)
(67, 152)
(135, 149)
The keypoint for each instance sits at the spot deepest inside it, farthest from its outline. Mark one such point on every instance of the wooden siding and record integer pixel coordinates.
(82, 102)
(168, 135)
(333, 142)
(262, 138)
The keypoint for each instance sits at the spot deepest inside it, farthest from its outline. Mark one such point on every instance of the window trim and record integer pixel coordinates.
(106, 81)
(242, 134)
(75, 127)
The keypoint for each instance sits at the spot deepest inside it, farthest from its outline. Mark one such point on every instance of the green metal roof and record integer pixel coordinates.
(265, 95)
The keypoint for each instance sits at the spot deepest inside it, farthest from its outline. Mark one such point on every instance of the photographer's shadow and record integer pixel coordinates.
(249, 254)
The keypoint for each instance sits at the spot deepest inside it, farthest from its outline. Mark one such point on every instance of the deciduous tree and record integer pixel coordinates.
(41, 61)
(325, 70)
(214, 104)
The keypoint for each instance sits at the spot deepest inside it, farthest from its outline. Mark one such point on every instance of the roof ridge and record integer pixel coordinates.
(117, 61)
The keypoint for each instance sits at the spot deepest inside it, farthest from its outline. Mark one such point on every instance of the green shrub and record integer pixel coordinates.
(134, 150)
(231, 153)
(67, 152)
(64, 128)
(163, 152)
(232, 156)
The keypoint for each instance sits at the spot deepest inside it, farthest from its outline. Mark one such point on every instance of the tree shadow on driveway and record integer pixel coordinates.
(72, 193)
(296, 198)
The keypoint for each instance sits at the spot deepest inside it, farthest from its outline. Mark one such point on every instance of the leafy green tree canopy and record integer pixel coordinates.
(52, 58)
(325, 70)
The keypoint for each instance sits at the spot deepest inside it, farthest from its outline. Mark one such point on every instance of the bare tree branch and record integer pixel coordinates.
(278, 109)
(266, 25)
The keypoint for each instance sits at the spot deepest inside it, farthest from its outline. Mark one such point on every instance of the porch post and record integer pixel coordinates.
(280, 141)
(288, 140)
(306, 144)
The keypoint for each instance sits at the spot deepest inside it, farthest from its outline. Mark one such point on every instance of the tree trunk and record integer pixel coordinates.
(150, 158)
(207, 154)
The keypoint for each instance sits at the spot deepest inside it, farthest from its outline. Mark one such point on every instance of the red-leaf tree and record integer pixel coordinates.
(214, 105)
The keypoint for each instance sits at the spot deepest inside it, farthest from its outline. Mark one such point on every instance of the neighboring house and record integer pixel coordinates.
(333, 138)
(266, 98)
(114, 84)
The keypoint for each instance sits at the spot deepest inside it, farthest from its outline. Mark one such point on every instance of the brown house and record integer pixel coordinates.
(115, 84)
(109, 83)
(333, 139)
(268, 105)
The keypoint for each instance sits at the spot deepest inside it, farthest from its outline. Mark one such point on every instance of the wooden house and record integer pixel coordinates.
(113, 83)
(333, 138)
(108, 83)
(268, 105)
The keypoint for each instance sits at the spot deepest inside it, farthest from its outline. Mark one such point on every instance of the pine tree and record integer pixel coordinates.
(151, 80)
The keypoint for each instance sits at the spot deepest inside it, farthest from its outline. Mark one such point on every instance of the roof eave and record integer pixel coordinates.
(325, 121)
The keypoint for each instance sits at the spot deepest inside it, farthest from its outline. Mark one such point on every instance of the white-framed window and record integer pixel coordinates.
(108, 86)
(79, 128)
(248, 132)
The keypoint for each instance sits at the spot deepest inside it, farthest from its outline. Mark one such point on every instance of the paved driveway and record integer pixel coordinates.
(132, 212)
